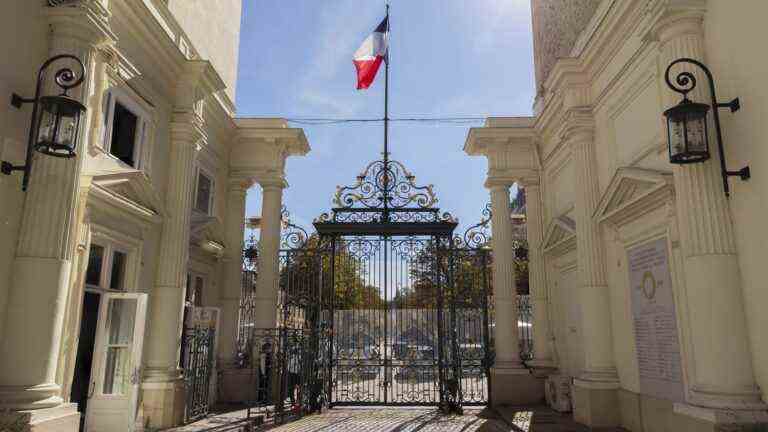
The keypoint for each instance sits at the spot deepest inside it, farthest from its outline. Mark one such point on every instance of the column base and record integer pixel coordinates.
(515, 386)
(63, 418)
(163, 403)
(31, 398)
(596, 403)
(693, 418)
(238, 385)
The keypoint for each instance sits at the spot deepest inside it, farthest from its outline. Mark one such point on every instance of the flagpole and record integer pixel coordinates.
(386, 120)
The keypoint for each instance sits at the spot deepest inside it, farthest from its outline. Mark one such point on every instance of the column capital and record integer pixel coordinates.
(272, 183)
(674, 18)
(496, 183)
(187, 128)
(578, 125)
(86, 21)
(198, 81)
(236, 186)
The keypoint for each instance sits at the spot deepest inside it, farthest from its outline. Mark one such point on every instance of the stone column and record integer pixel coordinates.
(512, 382)
(236, 385)
(29, 349)
(542, 354)
(269, 250)
(594, 394)
(719, 364)
(233, 270)
(163, 385)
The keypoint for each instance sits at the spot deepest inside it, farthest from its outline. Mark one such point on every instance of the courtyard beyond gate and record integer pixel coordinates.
(382, 305)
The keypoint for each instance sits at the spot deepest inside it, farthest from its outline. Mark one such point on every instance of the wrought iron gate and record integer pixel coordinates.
(395, 303)
(198, 356)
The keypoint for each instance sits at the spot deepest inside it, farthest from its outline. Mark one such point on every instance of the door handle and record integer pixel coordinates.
(91, 389)
(136, 375)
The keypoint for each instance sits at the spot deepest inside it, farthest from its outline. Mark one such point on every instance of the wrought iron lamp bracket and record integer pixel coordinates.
(66, 79)
(684, 83)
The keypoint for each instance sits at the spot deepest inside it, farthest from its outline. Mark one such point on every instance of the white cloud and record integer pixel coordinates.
(340, 27)
(493, 19)
(322, 101)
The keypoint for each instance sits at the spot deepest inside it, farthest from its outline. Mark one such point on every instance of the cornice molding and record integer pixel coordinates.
(499, 135)
(511, 150)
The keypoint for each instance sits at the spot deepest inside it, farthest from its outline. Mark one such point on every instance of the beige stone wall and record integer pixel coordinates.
(621, 82)
(18, 70)
(214, 28)
(734, 41)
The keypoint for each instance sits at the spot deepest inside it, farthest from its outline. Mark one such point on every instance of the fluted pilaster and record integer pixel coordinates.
(542, 354)
(593, 288)
(29, 350)
(504, 285)
(719, 366)
(168, 294)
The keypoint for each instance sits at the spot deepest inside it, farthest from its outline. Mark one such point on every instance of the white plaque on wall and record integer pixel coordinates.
(655, 321)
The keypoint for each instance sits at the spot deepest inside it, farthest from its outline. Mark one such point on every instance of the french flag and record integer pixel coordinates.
(371, 53)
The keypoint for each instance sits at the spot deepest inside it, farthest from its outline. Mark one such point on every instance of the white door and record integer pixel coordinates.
(117, 361)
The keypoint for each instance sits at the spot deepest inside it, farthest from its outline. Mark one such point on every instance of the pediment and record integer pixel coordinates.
(130, 191)
(633, 192)
(207, 232)
(560, 236)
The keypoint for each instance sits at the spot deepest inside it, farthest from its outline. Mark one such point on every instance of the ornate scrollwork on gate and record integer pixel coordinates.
(389, 183)
(361, 248)
(479, 234)
(292, 235)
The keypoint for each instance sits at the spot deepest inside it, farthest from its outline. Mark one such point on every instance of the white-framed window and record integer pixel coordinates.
(204, 192)
(107, 267)
(126, 128)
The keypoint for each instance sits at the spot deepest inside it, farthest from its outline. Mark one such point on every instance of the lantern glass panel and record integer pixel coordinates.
(696, 128)
(58, 125)
(676, 137)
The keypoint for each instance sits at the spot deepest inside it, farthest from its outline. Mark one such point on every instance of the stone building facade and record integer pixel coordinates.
(109, 255)
(647, 280)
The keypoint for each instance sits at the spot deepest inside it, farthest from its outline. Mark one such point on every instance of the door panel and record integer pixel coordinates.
(117, 360)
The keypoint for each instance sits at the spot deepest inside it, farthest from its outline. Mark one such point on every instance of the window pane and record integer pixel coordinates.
(117, 372)
(204, 186)
(118, 271)
(123, 134)
(95, 259)
(120, 316)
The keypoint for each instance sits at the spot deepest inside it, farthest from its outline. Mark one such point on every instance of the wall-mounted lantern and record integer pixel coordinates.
(56, 120)
(687, 131)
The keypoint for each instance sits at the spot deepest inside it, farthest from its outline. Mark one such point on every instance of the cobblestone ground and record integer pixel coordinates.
(397, 420)
(391, 419)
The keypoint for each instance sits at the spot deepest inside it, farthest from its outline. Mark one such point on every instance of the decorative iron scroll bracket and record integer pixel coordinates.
(684, 83)
(478, 235)
(292, 235)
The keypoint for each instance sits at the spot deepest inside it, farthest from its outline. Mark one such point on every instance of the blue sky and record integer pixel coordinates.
(448, 58)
